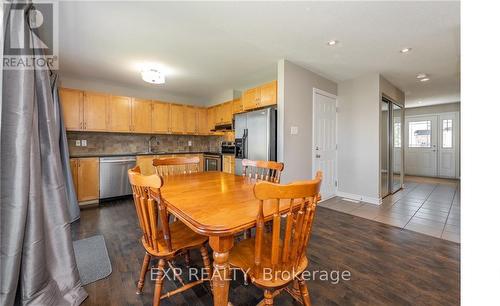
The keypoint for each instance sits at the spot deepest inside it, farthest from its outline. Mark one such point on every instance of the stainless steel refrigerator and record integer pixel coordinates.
(255, 136)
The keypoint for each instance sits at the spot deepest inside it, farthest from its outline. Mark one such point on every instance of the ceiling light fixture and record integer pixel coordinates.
(332, 42)
(424, 80)
(153, 76)
(419, 102)
(405, 50)
(421, 75)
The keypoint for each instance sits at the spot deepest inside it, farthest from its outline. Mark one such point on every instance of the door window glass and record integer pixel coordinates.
(447, 133)
(419, 134)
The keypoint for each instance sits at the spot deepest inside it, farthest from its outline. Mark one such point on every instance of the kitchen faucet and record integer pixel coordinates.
(149, 143)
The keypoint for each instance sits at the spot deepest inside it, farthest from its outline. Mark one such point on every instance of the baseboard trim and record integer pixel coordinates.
(371, 200)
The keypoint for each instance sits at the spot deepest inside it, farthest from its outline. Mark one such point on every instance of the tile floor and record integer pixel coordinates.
(426, 205)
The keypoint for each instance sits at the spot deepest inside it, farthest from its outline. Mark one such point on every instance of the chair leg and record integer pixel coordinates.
(268, 297)
(159, 282)
(304, 292)
(206, 263)
(144, 270)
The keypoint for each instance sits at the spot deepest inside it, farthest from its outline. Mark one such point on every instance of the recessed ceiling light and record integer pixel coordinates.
(421, 75)
(332, 42)
(405, 50)
(419, 102)
(153, 76)
(424, 80)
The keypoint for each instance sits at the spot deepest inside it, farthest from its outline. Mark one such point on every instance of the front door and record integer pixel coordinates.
(324, 140)
(421, 145)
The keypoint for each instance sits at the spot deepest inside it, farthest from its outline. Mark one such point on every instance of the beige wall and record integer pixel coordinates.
(295, 93)
(391, 91)
(358, 137)
(146, 92)
(433, 109)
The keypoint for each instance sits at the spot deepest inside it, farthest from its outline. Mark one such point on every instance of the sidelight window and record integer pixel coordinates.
(447, 125)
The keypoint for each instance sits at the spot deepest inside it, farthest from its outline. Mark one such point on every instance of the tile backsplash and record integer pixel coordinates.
(112, 143)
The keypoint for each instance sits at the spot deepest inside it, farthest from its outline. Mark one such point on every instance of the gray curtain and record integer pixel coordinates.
(37, 259)
(73, 208)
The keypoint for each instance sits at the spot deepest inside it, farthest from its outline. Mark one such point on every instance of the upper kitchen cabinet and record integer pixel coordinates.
(190, 114)
(268, 94)
(95, 108)
(72, 103)
(119, 114)
(211, 115)
(237, 106)
(177, 120)
(261, 96)
(141, 116)
(202, 121)
(224, 113)
(160, 117)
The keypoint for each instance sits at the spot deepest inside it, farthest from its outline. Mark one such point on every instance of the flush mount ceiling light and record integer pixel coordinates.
(153, 76)
(405, 50)
(424, 80)
(332, 42)
(421, 76)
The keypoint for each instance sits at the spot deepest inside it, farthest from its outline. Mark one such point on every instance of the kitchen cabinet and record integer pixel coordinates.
(202, 121)
(85, 173)
(160, 117)
(190, 114)
(119, 114)
(224, 113)
(146, 164)
(177, 118)
(140, 116)
(71, 102)
(228, 163)
(237, 106)
(264, 95)
(95, 108)
(268, 94)
(211, 114)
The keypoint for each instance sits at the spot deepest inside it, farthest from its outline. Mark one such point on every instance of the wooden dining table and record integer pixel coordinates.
(218, 205)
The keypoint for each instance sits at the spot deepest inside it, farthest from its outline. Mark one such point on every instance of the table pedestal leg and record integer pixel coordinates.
(221, 274)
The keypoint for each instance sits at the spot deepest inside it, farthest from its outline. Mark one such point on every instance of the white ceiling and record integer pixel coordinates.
(210, 48)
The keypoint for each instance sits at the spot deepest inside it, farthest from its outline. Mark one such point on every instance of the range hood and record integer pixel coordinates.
(223, 127)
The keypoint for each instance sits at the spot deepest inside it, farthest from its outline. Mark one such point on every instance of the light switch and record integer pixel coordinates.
(294, 130)
(77, 143)
(190, 143)
(84, 143)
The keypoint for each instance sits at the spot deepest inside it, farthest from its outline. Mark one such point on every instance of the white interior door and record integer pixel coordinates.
(324, 140)
(448, 145)
(421, 145)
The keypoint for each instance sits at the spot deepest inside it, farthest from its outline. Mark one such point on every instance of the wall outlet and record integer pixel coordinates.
(84, 143)
(190, 143)
(294, 130)
(77, 143)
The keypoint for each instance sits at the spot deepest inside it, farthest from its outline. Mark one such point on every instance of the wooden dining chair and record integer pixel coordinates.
(262, 170)
(175, 166)
(276, 260)
(161, 239)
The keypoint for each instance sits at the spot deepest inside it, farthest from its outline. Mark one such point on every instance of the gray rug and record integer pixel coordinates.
(92, 259)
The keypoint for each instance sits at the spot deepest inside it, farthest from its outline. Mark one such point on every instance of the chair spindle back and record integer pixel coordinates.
(148, 209)
(287, 251)
(176, 165)
(262, 170)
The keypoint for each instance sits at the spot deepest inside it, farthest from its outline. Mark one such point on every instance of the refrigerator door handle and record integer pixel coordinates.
(245, 147)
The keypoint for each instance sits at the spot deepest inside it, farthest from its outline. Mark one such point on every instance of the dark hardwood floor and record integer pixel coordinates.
(388, 265)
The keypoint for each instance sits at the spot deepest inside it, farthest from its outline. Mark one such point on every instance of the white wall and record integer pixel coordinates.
(295, 92)
(358, 137)
(136, 92)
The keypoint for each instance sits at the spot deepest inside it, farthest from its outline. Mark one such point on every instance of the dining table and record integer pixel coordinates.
(218, 205)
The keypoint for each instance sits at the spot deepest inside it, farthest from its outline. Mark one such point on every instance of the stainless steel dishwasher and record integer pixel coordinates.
(113, 178)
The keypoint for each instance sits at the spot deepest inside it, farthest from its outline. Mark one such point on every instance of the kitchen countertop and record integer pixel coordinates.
(136, 154)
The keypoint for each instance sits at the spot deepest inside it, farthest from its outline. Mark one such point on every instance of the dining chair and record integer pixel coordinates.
(262, 170)
(177, 165)
(162, 240)
(276, 260)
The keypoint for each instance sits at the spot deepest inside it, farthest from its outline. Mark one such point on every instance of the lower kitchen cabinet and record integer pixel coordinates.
(85, 173)
(228, 163)
(146, 162)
